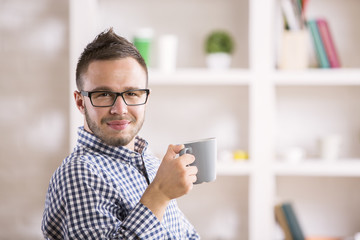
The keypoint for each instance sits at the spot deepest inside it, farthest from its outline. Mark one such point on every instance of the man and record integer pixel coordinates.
(110, 187)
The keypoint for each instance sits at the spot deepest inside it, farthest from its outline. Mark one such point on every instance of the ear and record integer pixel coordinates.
(79, 101)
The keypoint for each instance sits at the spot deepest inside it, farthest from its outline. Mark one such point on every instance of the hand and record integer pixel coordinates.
(174, 179)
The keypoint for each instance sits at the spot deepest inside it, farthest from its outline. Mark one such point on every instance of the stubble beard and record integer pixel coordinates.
(114, 141)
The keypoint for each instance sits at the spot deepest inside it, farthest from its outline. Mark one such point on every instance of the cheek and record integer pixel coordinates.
(96, 114)
(139, 112)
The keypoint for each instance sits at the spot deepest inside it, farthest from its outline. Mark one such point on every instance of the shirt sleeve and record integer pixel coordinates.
(81, 204)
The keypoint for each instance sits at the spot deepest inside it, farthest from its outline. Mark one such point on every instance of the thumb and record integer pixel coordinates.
(173, 150)
(178, 148)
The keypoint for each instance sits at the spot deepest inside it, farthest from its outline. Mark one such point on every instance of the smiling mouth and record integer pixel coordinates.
(118, 124)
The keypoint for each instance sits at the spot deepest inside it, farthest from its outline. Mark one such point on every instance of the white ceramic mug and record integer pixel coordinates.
(330, 147)
(168, 45)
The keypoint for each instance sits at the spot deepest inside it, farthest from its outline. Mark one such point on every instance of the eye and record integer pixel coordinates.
(103, 95)
(132, 94)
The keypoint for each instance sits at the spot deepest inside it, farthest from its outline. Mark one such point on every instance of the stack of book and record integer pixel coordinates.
(286, 217)
(323, 43)
(294, 13)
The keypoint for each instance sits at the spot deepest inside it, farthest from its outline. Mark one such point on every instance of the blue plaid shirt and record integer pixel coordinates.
(95, 194)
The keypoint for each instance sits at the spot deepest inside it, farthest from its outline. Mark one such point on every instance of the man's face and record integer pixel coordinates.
(119, 124)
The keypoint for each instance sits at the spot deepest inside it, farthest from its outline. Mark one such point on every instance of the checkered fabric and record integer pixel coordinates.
(95, 194)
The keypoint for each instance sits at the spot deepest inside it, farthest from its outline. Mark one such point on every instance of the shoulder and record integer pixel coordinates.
(76, 168)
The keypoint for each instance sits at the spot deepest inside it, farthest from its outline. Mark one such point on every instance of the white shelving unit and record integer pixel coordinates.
(316, 167)
(242, 168)
(202, 77)
(252, 106)
(318, 77)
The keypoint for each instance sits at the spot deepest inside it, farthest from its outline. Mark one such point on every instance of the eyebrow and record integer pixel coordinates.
(104, 88)
(101, 89)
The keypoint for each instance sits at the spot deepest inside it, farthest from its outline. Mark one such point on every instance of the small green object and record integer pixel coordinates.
(219, 41)
(143, 46)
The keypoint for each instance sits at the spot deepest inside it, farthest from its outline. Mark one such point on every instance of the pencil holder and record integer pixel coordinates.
(294, 50)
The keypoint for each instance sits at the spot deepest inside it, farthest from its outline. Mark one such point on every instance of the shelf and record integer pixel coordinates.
(310, 167)
(242, 77)
(318, 167)
(318, 77)
(200, 76)
(241, 168)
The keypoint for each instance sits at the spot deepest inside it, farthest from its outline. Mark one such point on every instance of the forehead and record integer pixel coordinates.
(117, 74)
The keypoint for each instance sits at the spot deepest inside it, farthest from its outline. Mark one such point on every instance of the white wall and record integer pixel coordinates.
(34, 109)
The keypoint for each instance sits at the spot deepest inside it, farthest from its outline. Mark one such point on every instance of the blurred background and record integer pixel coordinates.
(34, 73)
(269, 118)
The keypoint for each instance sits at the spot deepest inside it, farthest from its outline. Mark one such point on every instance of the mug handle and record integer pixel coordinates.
(185, 150)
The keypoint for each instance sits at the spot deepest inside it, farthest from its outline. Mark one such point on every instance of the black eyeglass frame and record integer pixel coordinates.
(89, 93)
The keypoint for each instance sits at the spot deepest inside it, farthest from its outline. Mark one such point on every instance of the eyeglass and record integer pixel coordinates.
(107, 99)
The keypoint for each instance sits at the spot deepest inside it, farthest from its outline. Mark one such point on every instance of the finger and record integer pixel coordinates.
(192, 170)
(193, 178)
(187, 159)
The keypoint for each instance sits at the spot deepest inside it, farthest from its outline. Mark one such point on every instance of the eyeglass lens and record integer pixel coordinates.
(133, 97)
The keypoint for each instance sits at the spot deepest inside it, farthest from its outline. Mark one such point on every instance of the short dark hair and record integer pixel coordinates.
(107, 46)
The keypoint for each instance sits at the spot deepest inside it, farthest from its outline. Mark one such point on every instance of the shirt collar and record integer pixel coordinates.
(89, 140)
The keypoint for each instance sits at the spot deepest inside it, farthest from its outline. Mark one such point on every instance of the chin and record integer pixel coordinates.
(117, 140)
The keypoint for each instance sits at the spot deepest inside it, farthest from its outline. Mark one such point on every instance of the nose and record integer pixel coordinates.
(119, 107)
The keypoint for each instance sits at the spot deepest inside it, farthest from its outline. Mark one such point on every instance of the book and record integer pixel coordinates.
(281, 219)
(295, 228)
(291, 16)
(318, 44)
(328, 42)
(304, 8)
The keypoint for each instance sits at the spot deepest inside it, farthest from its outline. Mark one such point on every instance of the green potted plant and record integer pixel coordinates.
(219, 46)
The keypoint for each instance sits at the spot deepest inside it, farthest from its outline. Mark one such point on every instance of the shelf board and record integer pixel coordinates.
(200, 76)
(242, 77)
(318, 167)
(240, 168)
(317, 77)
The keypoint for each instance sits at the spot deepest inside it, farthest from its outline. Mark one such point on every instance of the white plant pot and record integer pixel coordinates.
(218, 61)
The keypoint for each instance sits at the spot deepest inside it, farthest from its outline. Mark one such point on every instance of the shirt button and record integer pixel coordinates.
(132, 155)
